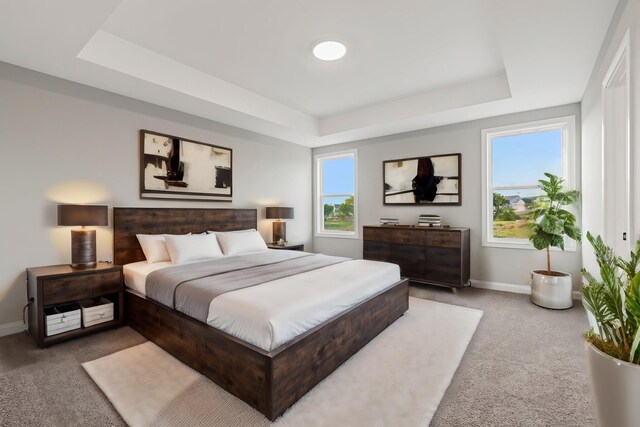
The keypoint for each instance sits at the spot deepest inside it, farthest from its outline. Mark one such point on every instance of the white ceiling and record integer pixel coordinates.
(410, 64)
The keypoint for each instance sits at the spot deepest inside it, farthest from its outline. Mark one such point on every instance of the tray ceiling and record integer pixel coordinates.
(409, 64)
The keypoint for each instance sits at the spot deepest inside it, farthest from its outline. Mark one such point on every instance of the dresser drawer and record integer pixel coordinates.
(377, 251)
(443, 239)
(375, 234)
(408, 236)
(444, 266)
(80, 286)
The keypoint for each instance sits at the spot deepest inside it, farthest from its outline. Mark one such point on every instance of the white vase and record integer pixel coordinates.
(615, 385)
(552, 291)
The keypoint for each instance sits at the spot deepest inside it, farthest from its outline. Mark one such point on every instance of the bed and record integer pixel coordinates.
(268, 380)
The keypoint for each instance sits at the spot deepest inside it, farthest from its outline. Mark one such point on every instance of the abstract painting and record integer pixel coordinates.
(176, 168)
(423, 180)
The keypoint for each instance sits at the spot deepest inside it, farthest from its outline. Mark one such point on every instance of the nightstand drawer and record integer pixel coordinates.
(80, 287)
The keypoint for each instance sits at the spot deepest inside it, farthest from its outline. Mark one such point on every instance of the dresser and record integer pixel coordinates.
(432, 255)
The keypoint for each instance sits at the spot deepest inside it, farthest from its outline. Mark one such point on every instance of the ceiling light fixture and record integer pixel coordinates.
(329, 50)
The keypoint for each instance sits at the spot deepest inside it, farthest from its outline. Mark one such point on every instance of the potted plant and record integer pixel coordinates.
(613, 352)
(549, 224)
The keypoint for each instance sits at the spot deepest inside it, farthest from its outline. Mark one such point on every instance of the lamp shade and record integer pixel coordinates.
(82, 215)
(279, 213)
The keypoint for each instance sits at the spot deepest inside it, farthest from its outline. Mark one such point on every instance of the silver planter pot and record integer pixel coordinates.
(615, 385)
(552, 291)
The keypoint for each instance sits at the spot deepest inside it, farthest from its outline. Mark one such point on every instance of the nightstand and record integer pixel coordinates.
(287, 247)
(56, 285)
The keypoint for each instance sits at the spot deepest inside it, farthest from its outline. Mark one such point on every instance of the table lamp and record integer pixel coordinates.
(279, 226)
(83, 241)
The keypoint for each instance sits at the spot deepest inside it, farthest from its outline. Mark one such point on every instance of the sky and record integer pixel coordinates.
(338, 178)
(523, 159)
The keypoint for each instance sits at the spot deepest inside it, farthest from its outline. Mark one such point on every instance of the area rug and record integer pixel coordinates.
(398, 379)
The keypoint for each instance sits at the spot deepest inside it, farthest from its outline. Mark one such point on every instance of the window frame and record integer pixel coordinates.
(319, 223)
(567, 124)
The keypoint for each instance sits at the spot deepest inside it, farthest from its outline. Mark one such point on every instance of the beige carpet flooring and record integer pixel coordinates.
(398, 379)
(524, 366)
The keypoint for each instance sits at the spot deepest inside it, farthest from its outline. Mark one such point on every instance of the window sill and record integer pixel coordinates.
(569, 247)
(337, 235)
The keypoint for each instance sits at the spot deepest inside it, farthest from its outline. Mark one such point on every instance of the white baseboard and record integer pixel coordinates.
(510, 287)
(12, 328)
(499, 286)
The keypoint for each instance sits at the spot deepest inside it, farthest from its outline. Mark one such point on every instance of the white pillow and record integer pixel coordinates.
(240, 242)
(154, 247)
(194, 247)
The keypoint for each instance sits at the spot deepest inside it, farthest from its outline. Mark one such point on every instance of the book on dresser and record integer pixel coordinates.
(431, 255)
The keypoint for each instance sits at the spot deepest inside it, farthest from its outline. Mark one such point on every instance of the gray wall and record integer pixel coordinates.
(627, 16)
(66, 143)
(511, 266)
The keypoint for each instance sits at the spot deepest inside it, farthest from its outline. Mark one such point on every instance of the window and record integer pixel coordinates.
(515, 158)
(336, 204)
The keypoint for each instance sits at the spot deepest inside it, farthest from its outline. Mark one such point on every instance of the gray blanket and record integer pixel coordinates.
(190, 288)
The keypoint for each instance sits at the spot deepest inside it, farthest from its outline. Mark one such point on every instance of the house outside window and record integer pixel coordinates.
(336, 201)
(515, 157)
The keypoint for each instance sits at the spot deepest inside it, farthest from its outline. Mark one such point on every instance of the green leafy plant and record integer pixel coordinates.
(328, 210)
(614, 302)
(550, 222)
(500, 205)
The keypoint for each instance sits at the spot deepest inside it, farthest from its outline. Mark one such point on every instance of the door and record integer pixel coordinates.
(617, 155)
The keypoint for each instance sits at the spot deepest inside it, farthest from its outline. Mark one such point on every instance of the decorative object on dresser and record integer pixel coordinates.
(176, 168)
(436, 256)
(58, 294)
(389, 221)
(429, 220)
(279, 226)
(83, 241)
(269, 381)
(423, 180)
(286, 246)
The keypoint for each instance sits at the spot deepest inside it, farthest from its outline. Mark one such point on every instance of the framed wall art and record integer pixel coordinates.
(177, 168)
(429, 180)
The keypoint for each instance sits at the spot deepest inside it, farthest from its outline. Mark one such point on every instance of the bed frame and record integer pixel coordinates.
(268, 381)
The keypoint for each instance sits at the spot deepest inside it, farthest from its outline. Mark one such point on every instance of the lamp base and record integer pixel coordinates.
(279, 232)
(83, 248)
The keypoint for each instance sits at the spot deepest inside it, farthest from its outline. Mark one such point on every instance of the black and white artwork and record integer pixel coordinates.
(423, 180)
(176, 168)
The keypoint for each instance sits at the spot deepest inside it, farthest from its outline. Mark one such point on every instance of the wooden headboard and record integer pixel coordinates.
(127, 222)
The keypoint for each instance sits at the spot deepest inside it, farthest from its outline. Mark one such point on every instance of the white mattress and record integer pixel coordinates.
(270, 314)
(135, 274)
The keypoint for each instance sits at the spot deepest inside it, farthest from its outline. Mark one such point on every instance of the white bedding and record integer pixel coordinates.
(135, 274)
(270, 314)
